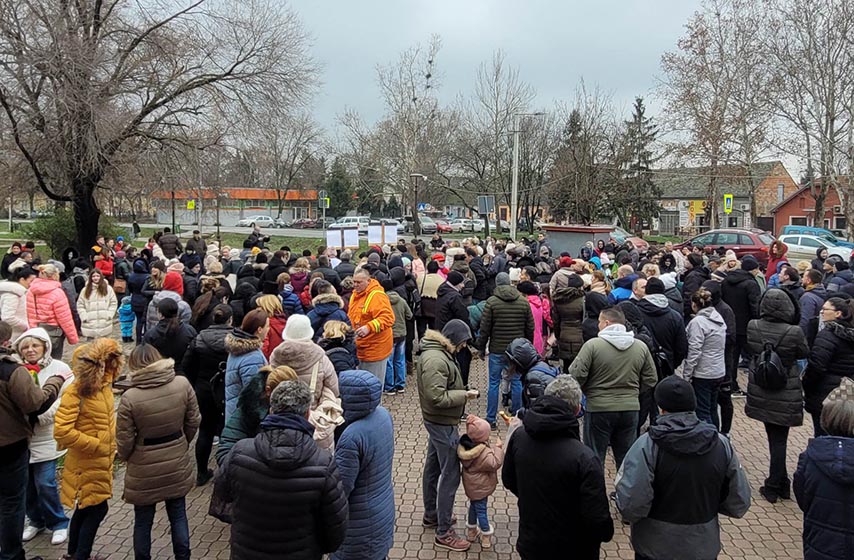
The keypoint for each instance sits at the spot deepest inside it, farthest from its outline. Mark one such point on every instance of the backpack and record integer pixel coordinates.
(767, 367)
(663, 366)
(218, 387)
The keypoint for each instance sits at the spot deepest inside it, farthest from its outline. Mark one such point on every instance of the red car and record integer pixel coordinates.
(742, 241)
(303, 223)
(442, 226)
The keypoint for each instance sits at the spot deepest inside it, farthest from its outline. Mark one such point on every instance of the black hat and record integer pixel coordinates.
(654, 286)
(749, 262)
(527, 288)
(674, 394)
(695, 260)
(455, 278)
(456, 331)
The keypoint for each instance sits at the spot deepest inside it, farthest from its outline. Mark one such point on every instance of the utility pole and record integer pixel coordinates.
(514, 189)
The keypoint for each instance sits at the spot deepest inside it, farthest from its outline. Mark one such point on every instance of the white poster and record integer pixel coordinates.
(375, 234)
(390, 234)
(351, 238)
(334, 239)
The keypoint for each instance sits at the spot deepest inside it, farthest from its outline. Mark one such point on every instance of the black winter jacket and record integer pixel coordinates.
(741, 292)
(570, 486)
(136, 284)
(342, 353)
(449, 305)
(267, 282)
(567, 315)
(331, 276)
(202, 359)
(831, 359)
(594, 302)
(171, 345)
(285, 493)
(668, 328)
(692, 282)
(481, 291)
(778, 325)
(345, 269)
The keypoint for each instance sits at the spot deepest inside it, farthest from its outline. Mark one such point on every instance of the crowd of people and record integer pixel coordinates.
(281, 360)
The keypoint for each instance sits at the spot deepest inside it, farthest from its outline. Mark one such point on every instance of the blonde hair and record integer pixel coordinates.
(803, 266)
(271, 304)
(651, 270)
(278, 375)
(336, 329)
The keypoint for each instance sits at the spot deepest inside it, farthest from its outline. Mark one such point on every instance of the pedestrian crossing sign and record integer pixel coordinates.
(728, 204)
(191, 204)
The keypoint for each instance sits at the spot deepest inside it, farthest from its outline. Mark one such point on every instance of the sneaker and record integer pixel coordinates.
(493, 426)
(216, 440)
(390, 392)
(59, 536)
(451, 541)
(204, 478)
(400, 390)
(30, 532)
(471, 532)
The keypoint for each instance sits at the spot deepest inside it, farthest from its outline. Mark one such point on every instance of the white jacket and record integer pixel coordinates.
(42, 444)
(706, 346)
(97, 313)
(13, 307)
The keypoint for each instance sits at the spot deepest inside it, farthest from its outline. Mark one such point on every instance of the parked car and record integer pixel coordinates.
(460, 225)
(324, 223)
(260, 221)
(620, 236)
(828, 235)
(393, 222)
(360, 222)
(303, 223)
(282, 223)
(805, 246)
(443, 226)
(742, 241)
(427, 224)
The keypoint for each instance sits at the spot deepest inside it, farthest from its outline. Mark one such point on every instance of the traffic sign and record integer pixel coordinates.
(728, 204)
(322, 194)
(191, 205)
(485, 204)
(422, 206)
(323, 202)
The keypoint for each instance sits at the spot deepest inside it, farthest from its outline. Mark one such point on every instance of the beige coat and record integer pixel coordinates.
(158, 405)
(97, 313)
(301, 355)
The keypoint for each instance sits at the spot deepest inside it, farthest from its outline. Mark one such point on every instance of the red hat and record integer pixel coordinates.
(566, 262)
(439, 257)
(174, 283)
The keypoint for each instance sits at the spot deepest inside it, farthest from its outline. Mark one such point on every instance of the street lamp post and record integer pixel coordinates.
(514, 189)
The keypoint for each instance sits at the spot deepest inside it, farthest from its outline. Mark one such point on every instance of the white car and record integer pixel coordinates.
(805, 247)
(260, 221)
(360, 222)
(466, 225)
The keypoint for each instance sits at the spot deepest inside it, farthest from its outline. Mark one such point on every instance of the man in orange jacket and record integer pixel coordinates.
(372, 317)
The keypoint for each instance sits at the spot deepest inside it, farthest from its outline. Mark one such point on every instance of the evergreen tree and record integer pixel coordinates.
(638, 198)
(339, 188)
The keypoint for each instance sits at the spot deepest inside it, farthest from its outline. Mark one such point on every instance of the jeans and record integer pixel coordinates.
(83, 528)
(496, 367)
(43, 506)
(143, 519)
(441, 477)
(14, 466)
(395, 369)
(140, 326)
(210, 427)
(778, 477)
(706, 392)
(478, 515)
(617, 429)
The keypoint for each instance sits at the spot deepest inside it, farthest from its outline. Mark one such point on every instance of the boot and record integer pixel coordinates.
(471, 532)
(486, 539)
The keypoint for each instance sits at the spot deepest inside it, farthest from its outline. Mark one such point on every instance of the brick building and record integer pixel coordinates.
(799, 210)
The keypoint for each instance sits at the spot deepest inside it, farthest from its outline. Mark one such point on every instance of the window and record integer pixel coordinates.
(791, 240)
(727, 239)
(745, 239)
(798, 220)
(840, 223)
(766, 239)
(732, 221)
(807, 242)
(704, 239)
(780, 193)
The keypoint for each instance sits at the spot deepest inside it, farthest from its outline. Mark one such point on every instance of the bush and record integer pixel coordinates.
(58, 232)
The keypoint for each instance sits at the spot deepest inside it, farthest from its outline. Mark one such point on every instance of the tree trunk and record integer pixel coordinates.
(86, 214)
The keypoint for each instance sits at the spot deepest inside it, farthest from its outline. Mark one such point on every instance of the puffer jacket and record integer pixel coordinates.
(371, 308)
(85, 425)
(244, 360)
(741, 292)
(666, 325)
(156, 421)
(594, 303)
(252, 407)
(622, 289)
(536, 374)
(692, 282)
(823, 485)
(839, 281)
(364, 454)
(441, 391)
(402, 314)
(778, 324)
(567, 316)
(299, 279)
(42, 443)
(201, 362)
(97, 313)
(706, 346)
(170, 244)
(481, 290)
(291, 302)
(777, 252)
(285, 493)
(341, 352)
(831, 358)
(481, 463)
(48, 304)
(811, 302)
(302, 355)
(136, 285)
(326, 307)
(450, 304)
(13, 307)
(470, 284)
(152, 316)
(507, 316)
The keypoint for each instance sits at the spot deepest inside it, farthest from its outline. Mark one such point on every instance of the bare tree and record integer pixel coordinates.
(80, 80)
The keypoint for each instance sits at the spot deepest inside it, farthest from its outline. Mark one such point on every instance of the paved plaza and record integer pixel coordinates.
(766, 532)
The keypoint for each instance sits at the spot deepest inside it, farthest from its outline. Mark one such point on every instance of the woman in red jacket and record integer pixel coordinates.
(776, 253)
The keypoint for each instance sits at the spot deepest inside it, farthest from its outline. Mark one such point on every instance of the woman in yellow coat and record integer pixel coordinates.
(85, 425)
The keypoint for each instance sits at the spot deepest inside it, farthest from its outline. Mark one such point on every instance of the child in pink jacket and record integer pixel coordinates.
(481, 463)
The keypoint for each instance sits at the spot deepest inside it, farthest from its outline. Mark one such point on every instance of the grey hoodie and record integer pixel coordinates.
(706, 345)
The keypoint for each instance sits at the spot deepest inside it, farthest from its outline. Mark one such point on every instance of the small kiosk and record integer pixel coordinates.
(571, 238)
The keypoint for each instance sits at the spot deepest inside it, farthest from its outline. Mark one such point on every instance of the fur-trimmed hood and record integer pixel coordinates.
(239, 342)
(470, 454)
(328, 298)
(436, 339)
(96, 364)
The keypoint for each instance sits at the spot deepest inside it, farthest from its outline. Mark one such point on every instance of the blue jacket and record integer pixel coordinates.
(126, 317)
(327, 307)
(244, 361)
(290, 302)
(622, 289)
(364, 455)
(824, 488)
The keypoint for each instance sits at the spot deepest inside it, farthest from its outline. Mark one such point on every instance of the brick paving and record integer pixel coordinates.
(767, 531)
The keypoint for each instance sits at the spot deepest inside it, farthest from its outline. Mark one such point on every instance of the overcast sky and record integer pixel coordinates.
(616, 44)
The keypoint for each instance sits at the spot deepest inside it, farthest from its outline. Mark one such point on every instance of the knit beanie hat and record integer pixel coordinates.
(456, 331)
(298, 327)
(654, 286)
(839, 405)
(674, 394)
(477, 429)
(695, 260)
(455, 278)
(749, 263)
(566, 262)
(502, 279)
(173, 282)
(527, 288)
(374, 258)
(515, 274)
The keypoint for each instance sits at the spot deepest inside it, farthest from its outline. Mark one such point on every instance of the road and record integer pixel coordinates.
(186, 230)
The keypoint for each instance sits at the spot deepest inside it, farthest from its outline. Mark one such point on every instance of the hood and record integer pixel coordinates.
(239, 342)
(285, 441)
(669, 280)
(834, 456)
(819, 290)
(565, 295)
(781, 264)
(778, 249)
(626, 283)
(214, 338)
(140, 266)
(550, 417)
(535, 301)
(840, 330)
(594, 303)
(437, 341)
(299, 354)
(738, 276)
(654, 304)
(617, 336)
(818, 253)
(523, 353)
(153, 375)
(682, 433)
(360, 393)
(38, 333)
(712, 315)
(246, 271)
(468, 450)
(325, 304)
(43, 286)
(10, 287)
(398, 276)
(394, 297)
(96, 365)
(779, 306)
(462, 267)
(446, 290)
(507, 293)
